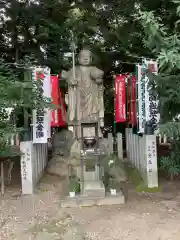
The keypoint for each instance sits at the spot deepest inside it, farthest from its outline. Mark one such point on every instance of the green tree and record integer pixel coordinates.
(110, 28)
(163, 39)
(16, 94)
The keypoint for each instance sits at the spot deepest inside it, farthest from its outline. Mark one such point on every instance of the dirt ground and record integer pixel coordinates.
(40, 217)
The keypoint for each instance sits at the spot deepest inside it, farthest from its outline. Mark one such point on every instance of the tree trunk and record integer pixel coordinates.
(171, 176)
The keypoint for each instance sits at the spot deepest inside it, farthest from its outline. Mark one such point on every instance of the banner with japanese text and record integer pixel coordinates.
(133, 119)
(128, 99)
(151, 100)
(42, 117)
(140, 99)
(120, 98)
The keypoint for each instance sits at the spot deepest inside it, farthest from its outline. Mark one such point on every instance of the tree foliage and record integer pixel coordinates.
(42, 29)
(164, 42)
(15, 93)
(162, 37)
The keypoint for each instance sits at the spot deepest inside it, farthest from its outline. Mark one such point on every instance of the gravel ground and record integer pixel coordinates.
(40, 217)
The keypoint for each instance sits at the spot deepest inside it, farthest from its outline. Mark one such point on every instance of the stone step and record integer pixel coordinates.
(94, 189)
(93, 185)
(94, 193)
(84, 201)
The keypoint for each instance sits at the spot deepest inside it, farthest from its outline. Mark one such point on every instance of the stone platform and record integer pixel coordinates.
(85, 201)
(94, 189)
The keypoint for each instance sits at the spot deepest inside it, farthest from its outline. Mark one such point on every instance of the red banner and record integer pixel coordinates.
(133, 119)
(129, 99)
(120, 101)
(58, 118)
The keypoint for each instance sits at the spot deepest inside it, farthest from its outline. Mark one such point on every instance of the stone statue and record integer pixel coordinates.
(85, 93)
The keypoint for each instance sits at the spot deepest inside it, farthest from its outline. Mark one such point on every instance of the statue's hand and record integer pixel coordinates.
(96, 74)
(73, 83)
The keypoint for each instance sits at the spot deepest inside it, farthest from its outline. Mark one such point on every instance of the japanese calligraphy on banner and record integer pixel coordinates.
(42, 117)
(141, 99)
(40, 126)
(132, 100)
(128, 99)
(120, 99)
(151, 101)
(47, 89)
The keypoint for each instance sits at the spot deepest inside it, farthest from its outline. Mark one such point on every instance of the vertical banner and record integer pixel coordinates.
(58, 116)
(55, 100)
(120, 101)
(128, 102)
(132, 100)
(141, 99)
(47, 89)
(151, 101)
(133, 119)
(41, 117)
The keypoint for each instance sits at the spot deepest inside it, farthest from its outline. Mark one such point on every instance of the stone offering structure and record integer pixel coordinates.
(85, 119)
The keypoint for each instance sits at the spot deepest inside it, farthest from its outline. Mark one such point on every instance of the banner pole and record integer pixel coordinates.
(114, 123)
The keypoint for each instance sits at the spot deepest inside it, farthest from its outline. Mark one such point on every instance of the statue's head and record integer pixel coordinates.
(85, 57)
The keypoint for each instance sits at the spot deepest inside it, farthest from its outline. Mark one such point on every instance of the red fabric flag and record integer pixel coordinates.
(132, 100)
(133, 119)
(58, 118)
(129, 99)
(120, 101)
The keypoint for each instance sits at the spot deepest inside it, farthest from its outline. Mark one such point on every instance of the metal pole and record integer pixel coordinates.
(2, 177)
(73, 48)
(114, 123)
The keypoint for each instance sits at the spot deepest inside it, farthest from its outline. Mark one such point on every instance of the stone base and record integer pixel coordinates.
(93, 189)
(84, 201)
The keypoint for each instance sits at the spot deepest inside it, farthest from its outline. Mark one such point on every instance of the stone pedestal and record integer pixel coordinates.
(89, 175)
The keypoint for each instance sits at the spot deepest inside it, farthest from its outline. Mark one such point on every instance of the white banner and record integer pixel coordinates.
(42, 117)
(151, 101)
(40, 126)
(141, 91)
(47, 88)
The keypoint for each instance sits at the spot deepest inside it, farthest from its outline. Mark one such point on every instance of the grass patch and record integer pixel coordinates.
(133, 174)
(52, 227)
(58, 226)
(143, 188)
(135, 177)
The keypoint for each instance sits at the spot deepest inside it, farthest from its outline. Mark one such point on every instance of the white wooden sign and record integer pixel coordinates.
(151, 154)
(26, 167)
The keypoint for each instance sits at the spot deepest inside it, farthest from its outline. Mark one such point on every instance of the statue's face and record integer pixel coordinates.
(85, 57)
